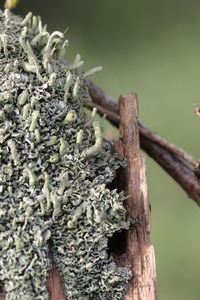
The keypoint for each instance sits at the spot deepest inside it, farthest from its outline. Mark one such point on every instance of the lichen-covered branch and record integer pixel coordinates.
(54, 174)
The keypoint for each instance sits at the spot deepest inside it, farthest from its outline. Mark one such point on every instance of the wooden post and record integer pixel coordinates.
(139, 252)
(55, 287)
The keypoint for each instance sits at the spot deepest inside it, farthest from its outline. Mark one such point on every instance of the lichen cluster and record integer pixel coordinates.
(53, 173)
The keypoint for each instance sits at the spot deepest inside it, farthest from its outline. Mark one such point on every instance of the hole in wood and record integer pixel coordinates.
(117, 243)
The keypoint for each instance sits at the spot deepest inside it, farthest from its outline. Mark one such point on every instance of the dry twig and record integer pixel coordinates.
(167, 155)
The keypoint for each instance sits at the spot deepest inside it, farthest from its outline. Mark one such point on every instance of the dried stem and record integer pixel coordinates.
(145, 132)
(177, 169)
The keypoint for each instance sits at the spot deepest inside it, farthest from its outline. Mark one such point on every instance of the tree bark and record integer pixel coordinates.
(139, 252)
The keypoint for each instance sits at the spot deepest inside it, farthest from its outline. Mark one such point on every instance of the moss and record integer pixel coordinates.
(53, 172)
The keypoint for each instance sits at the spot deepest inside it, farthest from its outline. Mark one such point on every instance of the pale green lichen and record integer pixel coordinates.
(54, 168)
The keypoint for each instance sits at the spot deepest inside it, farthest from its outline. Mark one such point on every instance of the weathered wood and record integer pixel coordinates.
(55, 287)
(139, 252)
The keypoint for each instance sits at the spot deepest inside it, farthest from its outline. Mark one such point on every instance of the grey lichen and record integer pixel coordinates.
(53, 172)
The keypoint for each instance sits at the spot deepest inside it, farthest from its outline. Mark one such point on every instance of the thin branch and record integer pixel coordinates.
(175, 167)
(106, 102)
(110, 115)
(145, 132)
(165, 154)
(99, 97)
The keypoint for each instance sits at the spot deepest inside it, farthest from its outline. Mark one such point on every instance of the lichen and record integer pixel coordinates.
(54, 168)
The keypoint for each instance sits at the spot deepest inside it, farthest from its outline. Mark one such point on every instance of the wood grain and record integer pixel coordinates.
(55, 286)
(139, 251)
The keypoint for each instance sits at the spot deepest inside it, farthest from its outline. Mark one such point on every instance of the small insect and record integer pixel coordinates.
(197, 109)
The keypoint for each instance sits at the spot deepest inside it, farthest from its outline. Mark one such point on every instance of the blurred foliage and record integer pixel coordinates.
(11, 4)
(152, 48)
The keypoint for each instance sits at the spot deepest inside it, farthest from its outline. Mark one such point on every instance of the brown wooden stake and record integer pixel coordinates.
(139, 252)
(55, 287)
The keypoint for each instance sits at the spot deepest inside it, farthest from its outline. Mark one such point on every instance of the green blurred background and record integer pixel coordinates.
(152, 48)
